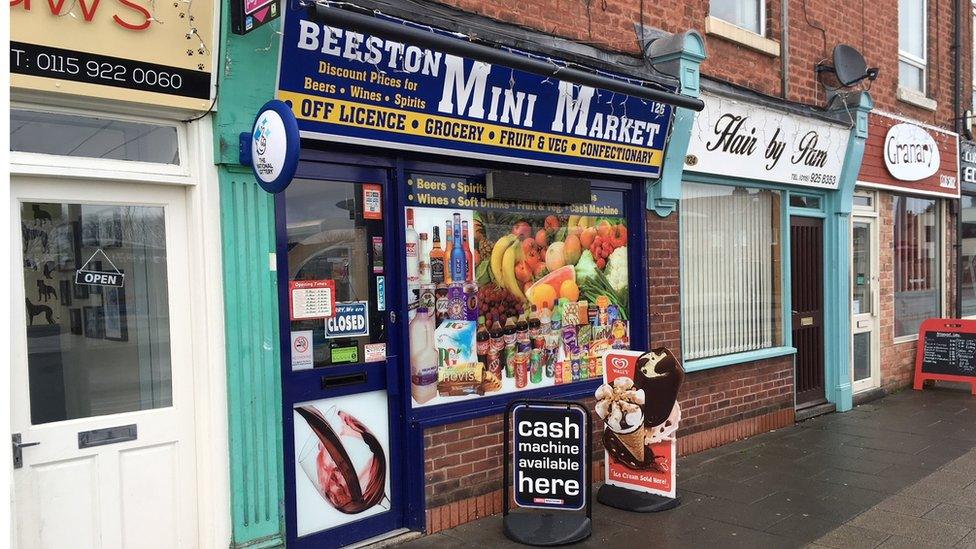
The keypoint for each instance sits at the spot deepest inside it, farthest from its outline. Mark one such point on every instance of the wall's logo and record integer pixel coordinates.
(910, 153)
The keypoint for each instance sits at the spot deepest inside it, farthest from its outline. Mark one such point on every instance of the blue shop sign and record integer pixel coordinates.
(351, 319)
(351, 87)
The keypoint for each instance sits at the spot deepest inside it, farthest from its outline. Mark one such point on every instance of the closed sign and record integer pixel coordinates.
(351, 319)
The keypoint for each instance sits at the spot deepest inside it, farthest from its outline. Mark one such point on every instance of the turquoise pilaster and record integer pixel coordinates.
(246, 81)
(680, 55)
(837, 260)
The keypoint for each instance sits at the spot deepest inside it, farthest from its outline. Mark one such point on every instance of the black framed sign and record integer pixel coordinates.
(549, 468)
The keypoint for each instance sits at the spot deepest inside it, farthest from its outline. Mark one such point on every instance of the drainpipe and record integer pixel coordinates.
(959, 126)
(784, 57)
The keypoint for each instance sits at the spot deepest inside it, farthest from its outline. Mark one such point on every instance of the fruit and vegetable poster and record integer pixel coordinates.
(638, 403)
(510, 296)
(341, 460)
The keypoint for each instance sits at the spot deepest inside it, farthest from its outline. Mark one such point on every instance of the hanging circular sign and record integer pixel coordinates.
(910, 153)
(275, 146)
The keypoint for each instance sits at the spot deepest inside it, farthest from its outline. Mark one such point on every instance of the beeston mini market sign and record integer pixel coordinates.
(355, 88)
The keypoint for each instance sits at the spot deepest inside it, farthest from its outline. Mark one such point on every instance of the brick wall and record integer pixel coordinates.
(815, 28)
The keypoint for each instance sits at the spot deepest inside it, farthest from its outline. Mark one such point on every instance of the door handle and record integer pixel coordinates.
(17, 446)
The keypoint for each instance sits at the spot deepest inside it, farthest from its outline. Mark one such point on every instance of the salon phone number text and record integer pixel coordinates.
(34, 60)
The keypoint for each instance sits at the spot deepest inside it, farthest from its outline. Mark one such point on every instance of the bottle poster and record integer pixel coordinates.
(638, 406)
(341, 460)
(516, 295)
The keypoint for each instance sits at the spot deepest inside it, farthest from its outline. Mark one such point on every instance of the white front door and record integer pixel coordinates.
(865, 363)
(101, 374)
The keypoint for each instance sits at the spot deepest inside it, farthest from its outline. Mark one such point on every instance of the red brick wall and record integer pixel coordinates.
(873, 30)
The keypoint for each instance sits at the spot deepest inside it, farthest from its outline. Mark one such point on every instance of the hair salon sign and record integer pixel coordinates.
(737, 139)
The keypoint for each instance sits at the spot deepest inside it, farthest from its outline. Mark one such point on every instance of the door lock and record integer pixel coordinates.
(17, 446)
(392, 317)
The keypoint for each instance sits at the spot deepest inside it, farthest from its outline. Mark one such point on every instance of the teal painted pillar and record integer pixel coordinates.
(837, 259)
(680, 55)
(248, 65)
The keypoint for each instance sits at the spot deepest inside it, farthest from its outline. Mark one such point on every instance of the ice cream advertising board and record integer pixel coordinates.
(352, 87)
(341, 460)
(639, 408)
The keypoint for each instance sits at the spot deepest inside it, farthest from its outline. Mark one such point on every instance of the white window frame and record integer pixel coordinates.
(943, 270)
(915, 61)
(27, 163)
(762, 18)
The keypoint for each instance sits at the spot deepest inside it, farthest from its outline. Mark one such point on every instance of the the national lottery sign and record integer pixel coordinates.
(351, 87)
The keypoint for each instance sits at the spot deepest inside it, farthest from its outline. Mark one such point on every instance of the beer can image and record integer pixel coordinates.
(576, 365)
(510, 360)
(535, 365)
(471, 301)
(521, 370)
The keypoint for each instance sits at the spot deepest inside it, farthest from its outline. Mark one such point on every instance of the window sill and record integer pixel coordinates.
(737, 358)
(912, 97)
(723, 29)
(905, 339)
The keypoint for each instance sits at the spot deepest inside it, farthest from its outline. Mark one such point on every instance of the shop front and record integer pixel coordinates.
(458, 235)
(901, 247)
(765, 201)
(119, 432)
(966, 232)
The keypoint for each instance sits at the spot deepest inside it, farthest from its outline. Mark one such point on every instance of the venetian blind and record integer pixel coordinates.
(728, 249)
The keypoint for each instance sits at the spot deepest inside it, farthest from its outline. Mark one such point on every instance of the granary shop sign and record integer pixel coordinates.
(355, 88)
(737, 139)
(900, 155)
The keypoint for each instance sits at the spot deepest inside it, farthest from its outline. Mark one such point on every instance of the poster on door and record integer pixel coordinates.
(341, 460)
(638, 405)
(509, 296)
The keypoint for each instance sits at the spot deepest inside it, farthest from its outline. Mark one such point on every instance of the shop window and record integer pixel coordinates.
(864, 201)
(97, 309)
(746, 14)
(730, 270)
(967, 239)
(92, 137)
(510, 296)
(912, 44)
(331, 240)
(917, 248)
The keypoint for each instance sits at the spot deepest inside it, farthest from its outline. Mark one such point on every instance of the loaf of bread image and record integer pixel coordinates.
(659, 374)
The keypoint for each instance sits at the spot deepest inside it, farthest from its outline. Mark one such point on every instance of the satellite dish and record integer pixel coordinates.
(849, 65)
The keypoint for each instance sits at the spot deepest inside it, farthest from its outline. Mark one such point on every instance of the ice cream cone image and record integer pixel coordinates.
(633, 442)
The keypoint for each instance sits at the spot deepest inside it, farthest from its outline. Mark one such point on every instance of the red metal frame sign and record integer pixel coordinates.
(946, 345)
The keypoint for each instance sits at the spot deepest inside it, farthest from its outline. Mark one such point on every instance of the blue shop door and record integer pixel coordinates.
(340, 374)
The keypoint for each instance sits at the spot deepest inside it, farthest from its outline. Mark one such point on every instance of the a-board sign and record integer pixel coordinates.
(549, 456)
(946, 351)
(547, 466)
(638, 403)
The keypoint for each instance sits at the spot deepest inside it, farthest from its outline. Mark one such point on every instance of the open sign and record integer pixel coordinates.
(100, 278)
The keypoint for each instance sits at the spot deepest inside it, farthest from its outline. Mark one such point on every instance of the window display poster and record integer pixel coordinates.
(311, 299)
(638, 405)
(518, 295)
(341, 460)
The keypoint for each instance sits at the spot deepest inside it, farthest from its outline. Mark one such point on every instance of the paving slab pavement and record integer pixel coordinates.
(897, 472)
